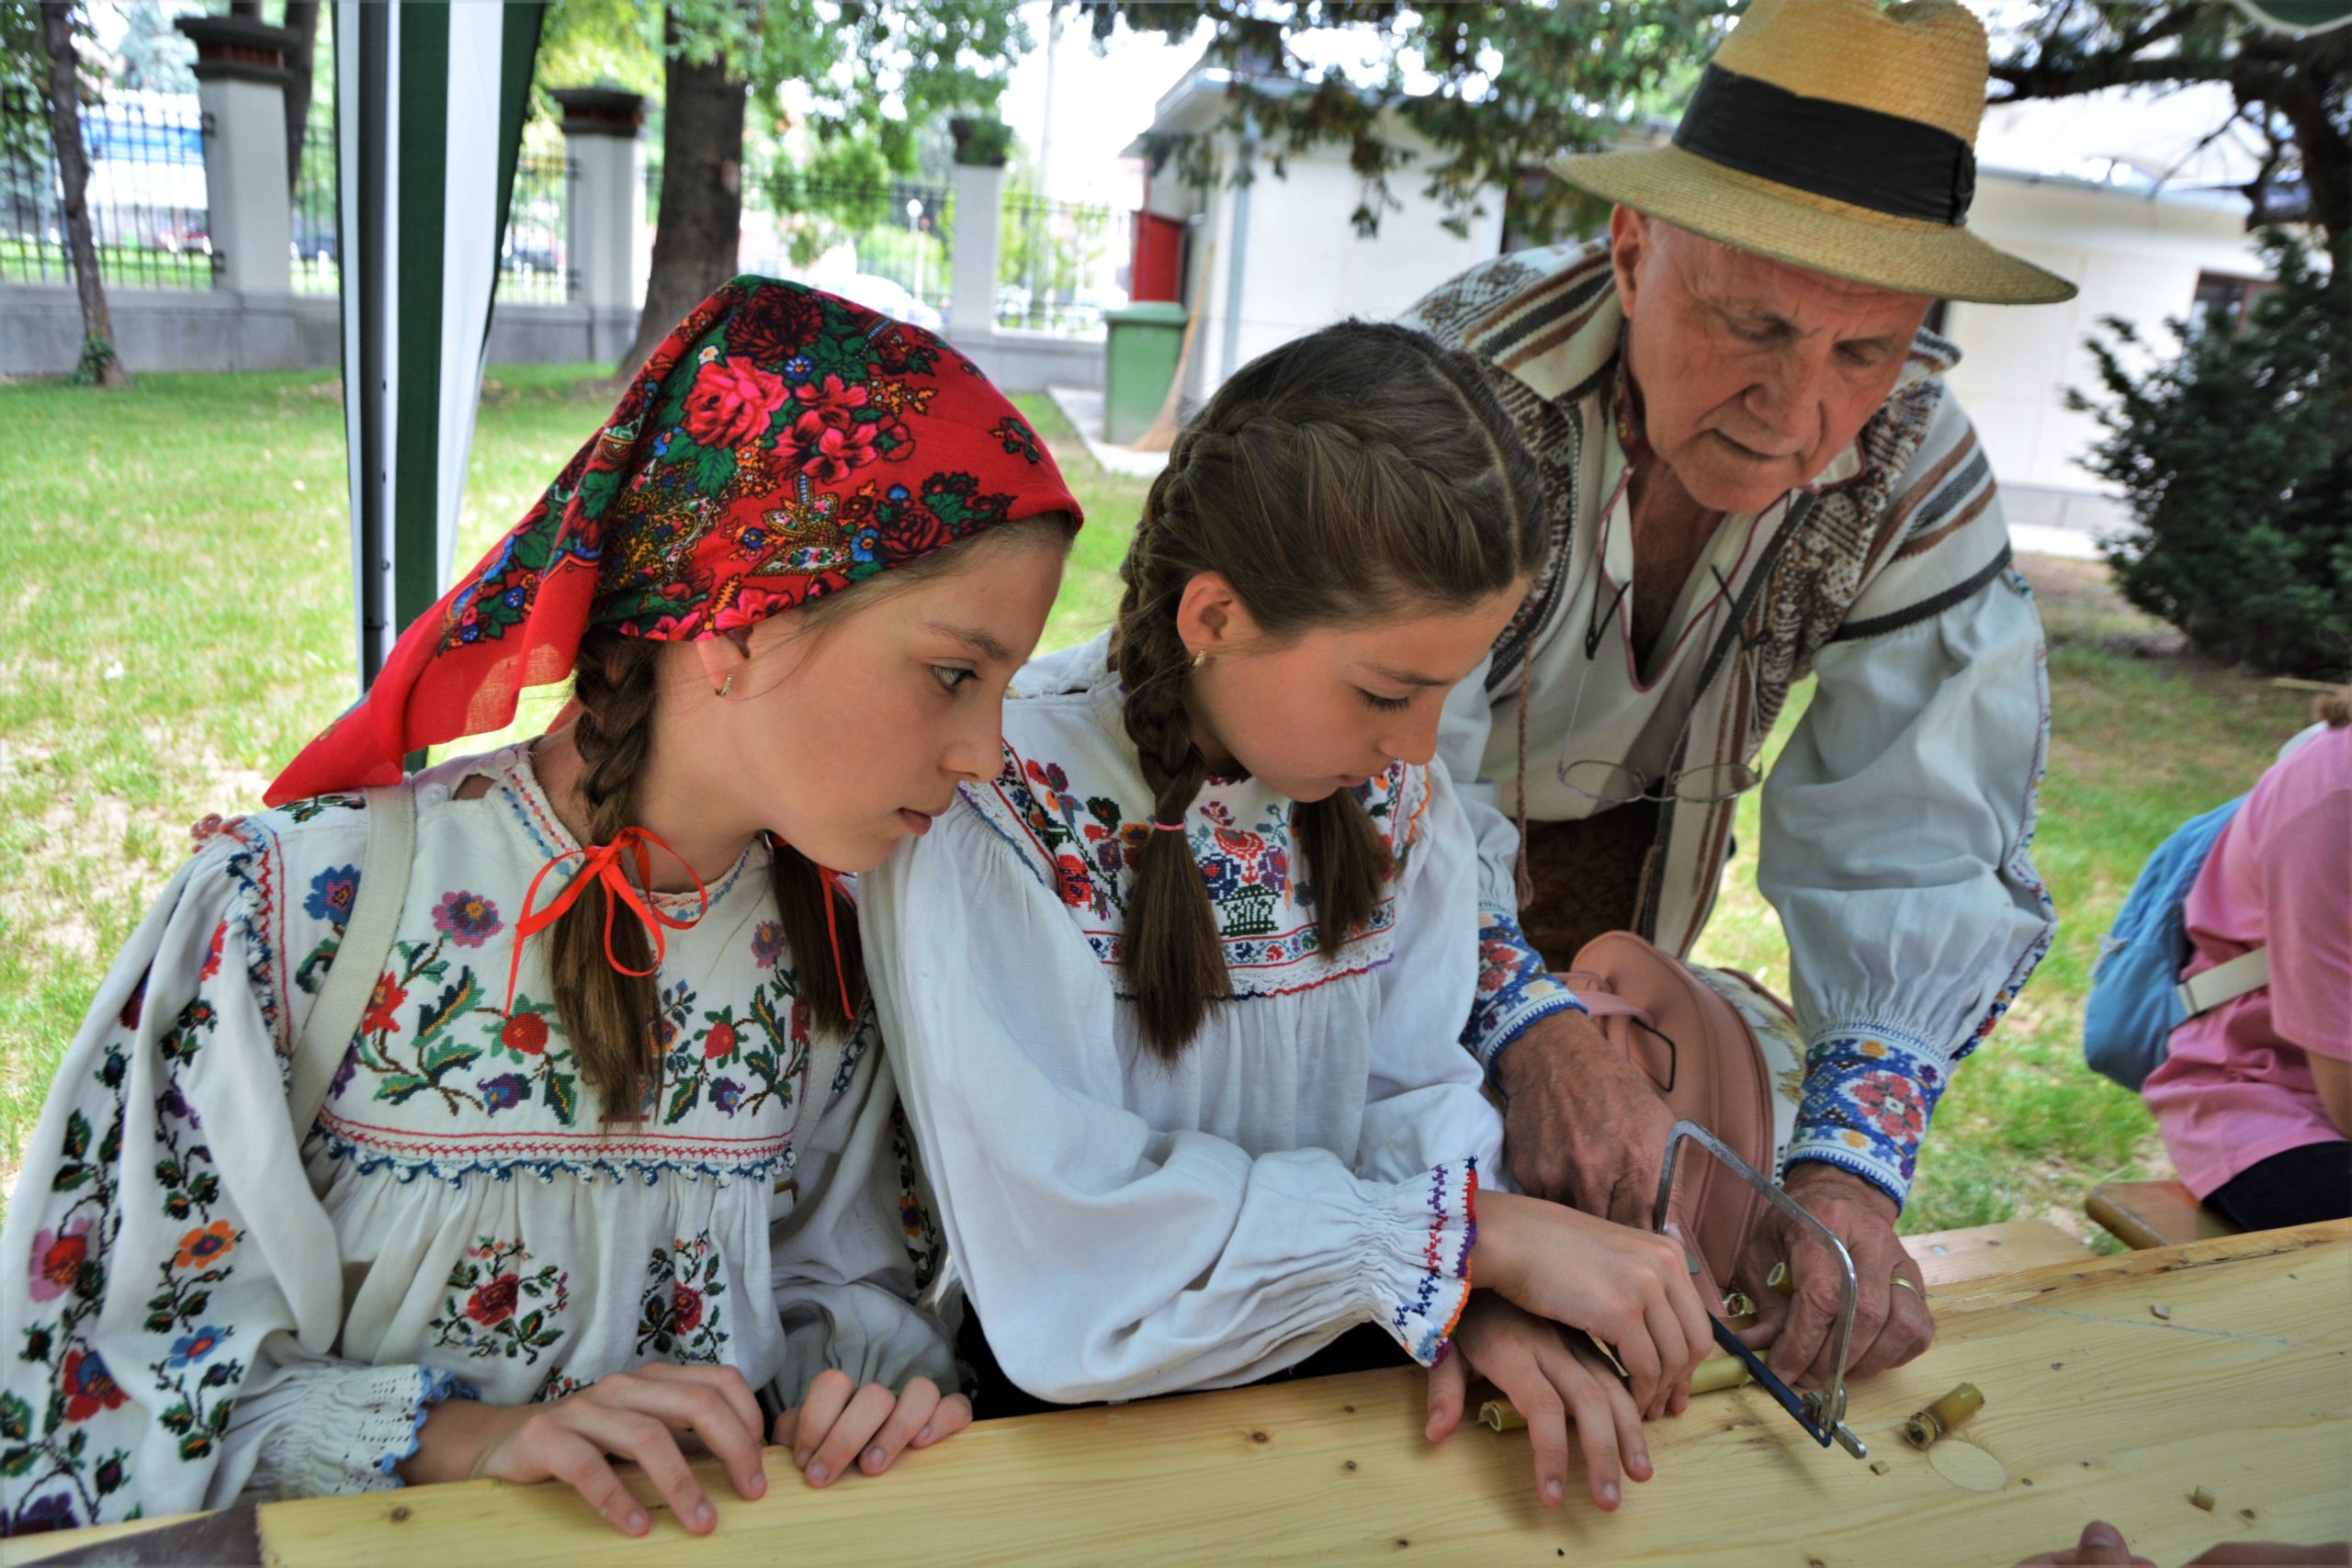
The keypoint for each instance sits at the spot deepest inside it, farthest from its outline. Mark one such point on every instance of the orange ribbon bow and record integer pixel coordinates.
(604, 864)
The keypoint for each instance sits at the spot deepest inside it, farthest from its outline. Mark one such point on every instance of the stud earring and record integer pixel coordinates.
(726, 686)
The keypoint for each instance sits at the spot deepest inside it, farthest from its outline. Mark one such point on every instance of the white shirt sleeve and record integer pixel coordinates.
(858, 1244)
(1109, 1258)
(1515, 986)
(1425, 1105)
(171, 1349)
(1462, 728)
(1897, 827)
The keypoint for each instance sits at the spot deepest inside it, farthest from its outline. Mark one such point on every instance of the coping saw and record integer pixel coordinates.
(1821, 1412)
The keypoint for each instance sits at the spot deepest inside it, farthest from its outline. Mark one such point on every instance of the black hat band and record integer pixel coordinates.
(1901, 167)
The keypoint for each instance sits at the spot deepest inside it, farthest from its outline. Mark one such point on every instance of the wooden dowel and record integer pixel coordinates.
(1710, 1376)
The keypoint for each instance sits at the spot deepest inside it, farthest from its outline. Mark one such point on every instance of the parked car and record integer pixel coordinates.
(887, 296)
(531, 247)
(315, 238)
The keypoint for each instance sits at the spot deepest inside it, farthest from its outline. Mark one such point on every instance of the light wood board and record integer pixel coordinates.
(2093, 1407)
(1979, 1252)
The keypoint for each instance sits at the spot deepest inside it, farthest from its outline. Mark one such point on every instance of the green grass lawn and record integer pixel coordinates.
(176, 573)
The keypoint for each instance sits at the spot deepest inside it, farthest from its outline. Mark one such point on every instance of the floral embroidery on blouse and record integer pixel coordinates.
(924, 1248)
(678, 1317)
(191, 1385)
(1085, 851)
(128, 1209)
(498, 1306)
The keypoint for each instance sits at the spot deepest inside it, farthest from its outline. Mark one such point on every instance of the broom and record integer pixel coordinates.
(1160, 433)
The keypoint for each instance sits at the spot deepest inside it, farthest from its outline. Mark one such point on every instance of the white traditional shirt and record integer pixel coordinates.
(1128, 1225)
(1897, 822)
(195, 1306)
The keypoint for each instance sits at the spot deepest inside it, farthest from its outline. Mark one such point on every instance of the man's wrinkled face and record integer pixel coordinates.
(1753, 374)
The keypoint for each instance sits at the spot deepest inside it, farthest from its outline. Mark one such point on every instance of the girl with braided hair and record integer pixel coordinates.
(1175, 998)
(612, 1159)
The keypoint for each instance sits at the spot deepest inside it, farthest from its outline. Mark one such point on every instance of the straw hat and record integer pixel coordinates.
(1838, 136)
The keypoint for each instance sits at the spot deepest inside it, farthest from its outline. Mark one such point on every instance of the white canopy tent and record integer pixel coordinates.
(430, 102)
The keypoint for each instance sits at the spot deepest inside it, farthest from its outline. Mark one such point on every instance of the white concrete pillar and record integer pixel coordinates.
(241, 83)
(603, 149)
(979, 224)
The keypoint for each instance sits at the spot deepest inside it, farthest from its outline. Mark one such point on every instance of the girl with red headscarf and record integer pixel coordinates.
(561, 1201)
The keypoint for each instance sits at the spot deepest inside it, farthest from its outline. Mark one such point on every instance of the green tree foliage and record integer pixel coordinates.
(2295, 89)
(2236, 455)
(840, 193)
(859, 71)
(1497, 89)
(154, 56)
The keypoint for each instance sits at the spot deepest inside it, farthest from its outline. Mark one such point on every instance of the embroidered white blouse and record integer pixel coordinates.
(195, 1308)
(1127, 1226)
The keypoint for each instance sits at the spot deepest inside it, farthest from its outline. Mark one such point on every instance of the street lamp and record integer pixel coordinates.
(914, 230)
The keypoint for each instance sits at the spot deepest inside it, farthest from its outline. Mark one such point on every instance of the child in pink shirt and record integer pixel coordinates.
(2255, 1097)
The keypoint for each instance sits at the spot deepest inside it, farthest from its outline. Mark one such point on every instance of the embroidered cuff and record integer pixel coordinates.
(1422, 1260)
(1515, 988)
(1869, 1090)
(354, 1427)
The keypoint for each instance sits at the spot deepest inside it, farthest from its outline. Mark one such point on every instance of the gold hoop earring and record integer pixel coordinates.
(1200, 657)
(725, 687)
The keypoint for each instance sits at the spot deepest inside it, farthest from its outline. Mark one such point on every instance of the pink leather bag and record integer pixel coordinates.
(1704, 1057)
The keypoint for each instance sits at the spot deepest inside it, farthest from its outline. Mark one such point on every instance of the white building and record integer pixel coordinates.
(1270, 260)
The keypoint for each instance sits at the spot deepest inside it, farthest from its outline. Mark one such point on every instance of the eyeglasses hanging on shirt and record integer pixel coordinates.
(1615, 783)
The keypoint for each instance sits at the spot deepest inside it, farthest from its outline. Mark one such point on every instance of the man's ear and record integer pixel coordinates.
(1210, 616)
(1630, 240)
(723, 656)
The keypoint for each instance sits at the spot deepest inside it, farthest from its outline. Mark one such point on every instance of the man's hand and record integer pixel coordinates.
(1890, 1323)
(1585, 1126)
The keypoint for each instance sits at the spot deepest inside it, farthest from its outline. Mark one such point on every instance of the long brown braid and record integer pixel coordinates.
(1356, 473)
(608, 1016)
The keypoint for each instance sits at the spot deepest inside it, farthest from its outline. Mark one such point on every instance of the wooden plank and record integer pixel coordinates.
(2093, 1407)
(1979, 1252)
(2142, 1214)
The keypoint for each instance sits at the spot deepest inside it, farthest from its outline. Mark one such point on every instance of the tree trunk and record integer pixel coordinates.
(98, 362)
(301, 49)
(698, 226)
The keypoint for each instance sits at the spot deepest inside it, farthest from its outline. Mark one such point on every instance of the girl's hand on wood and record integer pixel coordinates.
(1552, 1381)
(640, 1416)
(1631, 1288)
(839, 1424)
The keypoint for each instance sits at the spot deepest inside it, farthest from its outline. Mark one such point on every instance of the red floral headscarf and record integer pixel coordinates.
(780, 444)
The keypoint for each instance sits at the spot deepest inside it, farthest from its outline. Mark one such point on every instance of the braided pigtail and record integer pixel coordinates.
(606, 1015)
(801, 897)
(1172, 956)
(1353, 476)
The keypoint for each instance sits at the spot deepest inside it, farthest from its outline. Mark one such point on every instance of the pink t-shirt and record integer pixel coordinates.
(2237, 1086)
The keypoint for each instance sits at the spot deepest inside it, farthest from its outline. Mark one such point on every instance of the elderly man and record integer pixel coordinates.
(1754, 472)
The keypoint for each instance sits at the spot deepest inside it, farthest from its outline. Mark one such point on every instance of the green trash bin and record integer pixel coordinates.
(1143, 342)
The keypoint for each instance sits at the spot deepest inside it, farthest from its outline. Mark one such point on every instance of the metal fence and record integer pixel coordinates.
(1060, 265)
(318, 251)
(889, 244)
(532, 268)
(147, 200)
